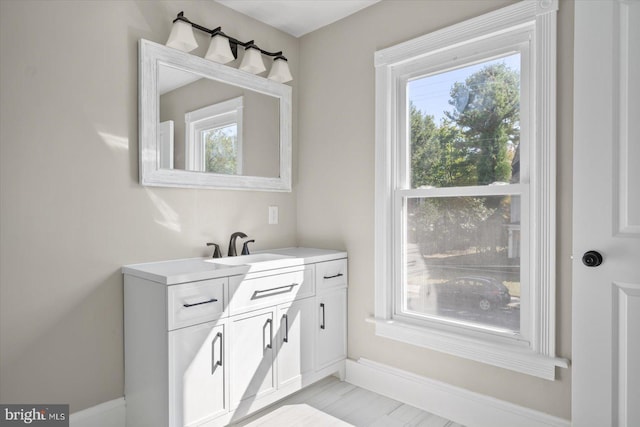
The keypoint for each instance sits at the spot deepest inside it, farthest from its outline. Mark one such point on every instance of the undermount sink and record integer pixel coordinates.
(261, 261)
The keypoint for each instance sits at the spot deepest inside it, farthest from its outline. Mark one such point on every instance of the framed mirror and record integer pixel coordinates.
(207, 125)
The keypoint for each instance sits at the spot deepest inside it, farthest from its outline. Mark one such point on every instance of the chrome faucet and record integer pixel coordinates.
(232, 243)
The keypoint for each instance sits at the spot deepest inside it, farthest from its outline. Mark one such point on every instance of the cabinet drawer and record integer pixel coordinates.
(196, 302)
(251, 294)
(331, 274)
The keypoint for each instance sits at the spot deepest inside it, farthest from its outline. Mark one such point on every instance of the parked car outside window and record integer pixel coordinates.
(484, 293)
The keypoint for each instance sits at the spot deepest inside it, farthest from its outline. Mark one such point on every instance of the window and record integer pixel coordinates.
(465, 190)
(462, 194)
(214, 138)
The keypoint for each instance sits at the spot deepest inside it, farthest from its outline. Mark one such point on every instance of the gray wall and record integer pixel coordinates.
(72, 209)
(336, 169)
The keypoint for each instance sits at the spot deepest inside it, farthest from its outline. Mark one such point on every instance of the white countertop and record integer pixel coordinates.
(191, 269)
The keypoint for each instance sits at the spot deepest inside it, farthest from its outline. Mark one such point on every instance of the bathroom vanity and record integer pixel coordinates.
(209, 341)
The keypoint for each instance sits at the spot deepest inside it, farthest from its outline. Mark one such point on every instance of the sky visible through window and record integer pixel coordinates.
(431, 94)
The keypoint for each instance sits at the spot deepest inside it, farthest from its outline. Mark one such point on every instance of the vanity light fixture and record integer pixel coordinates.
(224, 49)
(181, 36)
(219, 50)
(252, 60)
(280, 70)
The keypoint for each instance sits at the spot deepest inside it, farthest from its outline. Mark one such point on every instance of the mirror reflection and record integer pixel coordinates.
(214, 127)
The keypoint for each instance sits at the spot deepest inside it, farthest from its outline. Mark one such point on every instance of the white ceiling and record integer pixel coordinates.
(297, 17)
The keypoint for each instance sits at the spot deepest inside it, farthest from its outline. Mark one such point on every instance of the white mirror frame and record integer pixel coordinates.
(151, 55)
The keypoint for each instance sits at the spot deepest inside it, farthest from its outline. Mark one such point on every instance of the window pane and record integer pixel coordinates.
(464, 125)
(463, 259)
(221, 149)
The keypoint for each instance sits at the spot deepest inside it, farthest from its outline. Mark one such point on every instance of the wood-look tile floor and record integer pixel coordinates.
(333, 403)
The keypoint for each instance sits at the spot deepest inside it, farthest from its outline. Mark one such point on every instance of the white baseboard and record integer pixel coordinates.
(454, 403)
(107, 414)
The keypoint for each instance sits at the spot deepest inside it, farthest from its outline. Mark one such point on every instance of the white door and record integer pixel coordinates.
(197, 369)
(606, 214)
(331, 327)
(251, 339)
(295, 341)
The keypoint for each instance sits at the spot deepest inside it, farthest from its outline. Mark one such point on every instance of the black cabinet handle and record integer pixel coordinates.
(286, 328)
(270, 322)
(214, 363)
(334, 276)
(323, 323)
(221, 349)
(200, 303)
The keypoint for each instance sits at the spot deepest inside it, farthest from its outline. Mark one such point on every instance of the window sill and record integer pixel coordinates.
(523, 360)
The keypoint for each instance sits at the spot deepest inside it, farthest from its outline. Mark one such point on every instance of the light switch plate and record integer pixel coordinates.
(273, 215)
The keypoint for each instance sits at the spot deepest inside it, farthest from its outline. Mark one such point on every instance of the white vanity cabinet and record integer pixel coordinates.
(207, 345)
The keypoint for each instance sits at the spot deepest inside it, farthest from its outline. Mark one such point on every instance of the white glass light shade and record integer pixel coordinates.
(280, 71)
(219, 50)
(181, 37)
(252, 61)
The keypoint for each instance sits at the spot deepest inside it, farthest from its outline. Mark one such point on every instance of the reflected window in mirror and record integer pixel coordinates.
(214, 138)
(196, 104)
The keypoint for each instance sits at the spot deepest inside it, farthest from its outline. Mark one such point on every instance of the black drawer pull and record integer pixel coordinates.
(334, 276)
(200, 303)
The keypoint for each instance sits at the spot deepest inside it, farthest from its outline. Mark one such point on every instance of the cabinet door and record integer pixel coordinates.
(197, 370)
(331, 329)
(296, 325)
(251, 350)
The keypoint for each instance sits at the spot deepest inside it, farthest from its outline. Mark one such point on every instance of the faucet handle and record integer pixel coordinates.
(216, 250)
(245, 247)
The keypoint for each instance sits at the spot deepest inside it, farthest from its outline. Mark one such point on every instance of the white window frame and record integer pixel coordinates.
(527, 27)
(211, 117)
